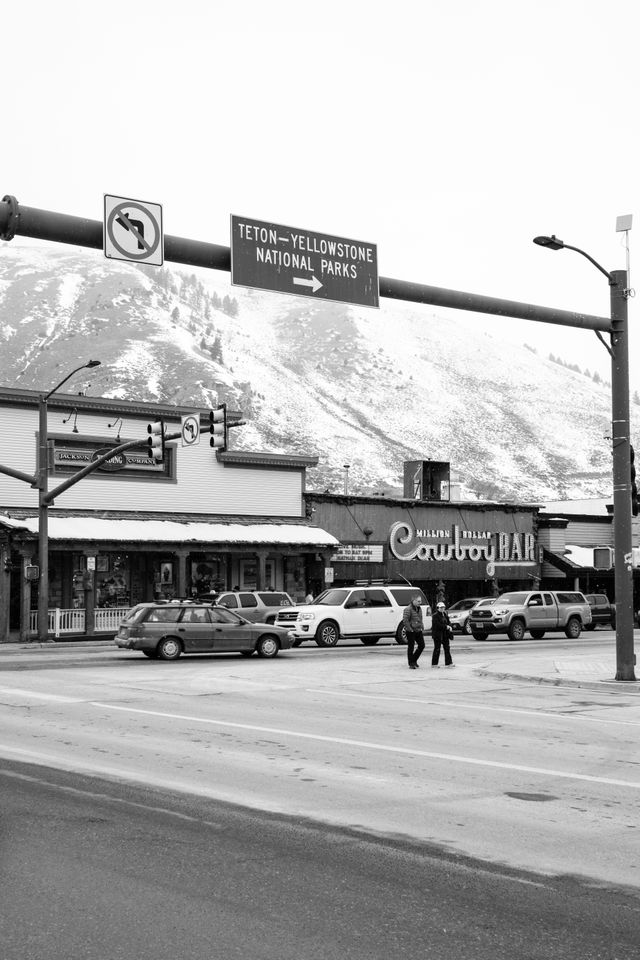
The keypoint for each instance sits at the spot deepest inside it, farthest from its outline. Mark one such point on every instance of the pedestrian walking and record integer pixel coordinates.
(414, 628)
(442, 632)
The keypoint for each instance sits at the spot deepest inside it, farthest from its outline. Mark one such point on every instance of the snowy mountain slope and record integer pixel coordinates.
(366, 387)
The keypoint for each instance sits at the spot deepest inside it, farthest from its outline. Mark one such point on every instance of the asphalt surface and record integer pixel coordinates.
(117, 843)
(99, 871)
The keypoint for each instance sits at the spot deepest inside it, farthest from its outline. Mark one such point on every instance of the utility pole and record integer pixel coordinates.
(621, 428)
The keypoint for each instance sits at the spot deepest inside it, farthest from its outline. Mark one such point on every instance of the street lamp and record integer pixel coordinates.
(622, 531)
(346, 467)
(43, 506)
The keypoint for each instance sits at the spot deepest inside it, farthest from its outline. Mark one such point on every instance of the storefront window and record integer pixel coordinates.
(208, 573)
(113, 580)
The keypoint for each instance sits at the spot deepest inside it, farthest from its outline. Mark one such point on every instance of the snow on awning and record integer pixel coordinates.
(172, 531)
(572, 560)
(580, 556)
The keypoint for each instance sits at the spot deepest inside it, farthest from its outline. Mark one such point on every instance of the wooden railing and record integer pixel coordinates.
(72, 620)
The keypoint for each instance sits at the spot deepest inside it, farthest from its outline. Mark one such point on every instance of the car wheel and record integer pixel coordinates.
(296, 642)
(401, 634)
(369, 641)
(537, 634)
(516, 630)
(152, 654)
(267, 646)
(328, 634)
(467, 627)
(246, 653)
(573, 628)
(169, 648)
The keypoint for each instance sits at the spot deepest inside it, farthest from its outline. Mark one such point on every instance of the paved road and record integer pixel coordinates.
(447, 765)
(99, 871)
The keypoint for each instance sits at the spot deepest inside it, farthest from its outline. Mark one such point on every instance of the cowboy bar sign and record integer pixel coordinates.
(407, 543)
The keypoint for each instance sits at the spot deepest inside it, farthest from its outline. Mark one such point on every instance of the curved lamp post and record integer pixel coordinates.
(43, 506)
(620, 433)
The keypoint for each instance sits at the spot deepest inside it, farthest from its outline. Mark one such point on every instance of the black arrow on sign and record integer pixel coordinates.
(137, 232)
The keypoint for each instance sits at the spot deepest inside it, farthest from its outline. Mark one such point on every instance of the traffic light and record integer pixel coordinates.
(603, 558)
(634, 489)
(218, 427)
(155, 440)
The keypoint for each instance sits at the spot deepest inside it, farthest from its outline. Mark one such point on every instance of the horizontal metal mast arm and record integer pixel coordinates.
(457, 300)
(19, 475)
(62, 228)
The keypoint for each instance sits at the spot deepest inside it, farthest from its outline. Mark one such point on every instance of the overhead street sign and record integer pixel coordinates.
(132, 230)
(270, 256)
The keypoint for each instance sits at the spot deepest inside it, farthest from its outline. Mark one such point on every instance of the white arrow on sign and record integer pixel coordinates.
(314, 283)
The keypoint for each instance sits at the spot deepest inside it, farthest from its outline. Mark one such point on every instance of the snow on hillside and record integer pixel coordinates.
(371, 388)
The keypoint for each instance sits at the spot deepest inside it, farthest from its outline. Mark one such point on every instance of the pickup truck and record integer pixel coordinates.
(536, 611)
(602, 610)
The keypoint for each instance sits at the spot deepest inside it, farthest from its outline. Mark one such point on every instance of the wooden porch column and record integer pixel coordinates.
(89, 587)
(326, 562)
(181, 573)
(261, 573)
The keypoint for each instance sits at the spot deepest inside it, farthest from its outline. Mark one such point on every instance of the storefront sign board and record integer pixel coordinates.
(358, 553)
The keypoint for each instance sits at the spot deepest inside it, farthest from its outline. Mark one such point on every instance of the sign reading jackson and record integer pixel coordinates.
(270, 256)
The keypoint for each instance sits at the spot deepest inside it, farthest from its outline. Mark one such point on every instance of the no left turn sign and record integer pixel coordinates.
(132, 230)
(190, 429)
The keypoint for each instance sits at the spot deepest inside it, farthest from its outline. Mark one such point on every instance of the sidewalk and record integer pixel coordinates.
(20, 656)
(594, 672)
(590, 672)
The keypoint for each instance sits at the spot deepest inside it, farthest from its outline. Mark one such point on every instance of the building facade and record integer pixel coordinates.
(135, 529)
(449, 549)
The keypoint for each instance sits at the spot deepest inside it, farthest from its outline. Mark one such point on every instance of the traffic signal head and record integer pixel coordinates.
(634, 489)
(603, 558)
(218, 427)
(155, 440)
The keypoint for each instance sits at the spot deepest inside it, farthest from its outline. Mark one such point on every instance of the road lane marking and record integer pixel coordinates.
(368, 745)
(53, 697)
(476, 706)
(106, 797)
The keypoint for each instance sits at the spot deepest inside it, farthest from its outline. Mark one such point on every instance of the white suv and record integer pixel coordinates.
(367, 612)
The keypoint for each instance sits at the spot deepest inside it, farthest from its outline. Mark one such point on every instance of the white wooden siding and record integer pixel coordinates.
(203, 484)
(585, 534)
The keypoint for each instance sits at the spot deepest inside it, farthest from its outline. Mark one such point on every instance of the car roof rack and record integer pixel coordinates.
(383, 583)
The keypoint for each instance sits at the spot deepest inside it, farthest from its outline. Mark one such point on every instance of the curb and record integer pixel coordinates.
(592, 684)
(15, 648)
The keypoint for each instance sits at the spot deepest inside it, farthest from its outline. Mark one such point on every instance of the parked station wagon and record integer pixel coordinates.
(164, 631)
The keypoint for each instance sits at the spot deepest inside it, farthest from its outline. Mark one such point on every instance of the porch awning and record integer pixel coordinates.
(574, 560)
(173, 531)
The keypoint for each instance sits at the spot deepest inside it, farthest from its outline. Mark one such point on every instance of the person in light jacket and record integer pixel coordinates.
(441, 631)
(414, 628)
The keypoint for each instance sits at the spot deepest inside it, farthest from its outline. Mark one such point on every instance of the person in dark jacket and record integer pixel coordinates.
(414, 628)
(441, 631)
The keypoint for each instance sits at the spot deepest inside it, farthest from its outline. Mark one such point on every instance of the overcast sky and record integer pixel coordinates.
(448, 133)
